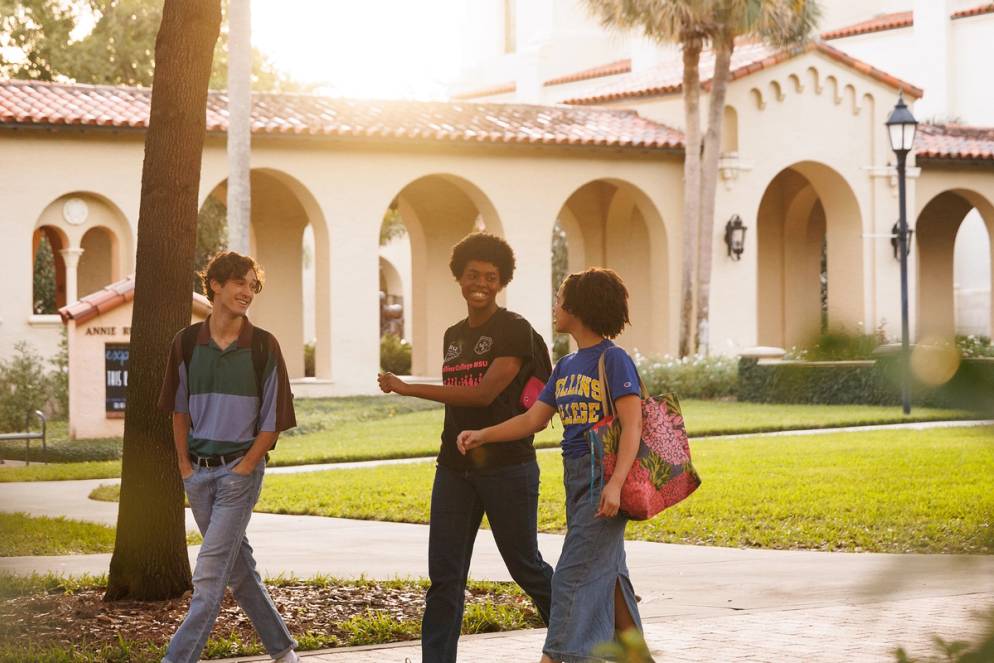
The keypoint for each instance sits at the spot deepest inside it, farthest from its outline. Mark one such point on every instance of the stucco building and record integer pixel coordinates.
(556, 124)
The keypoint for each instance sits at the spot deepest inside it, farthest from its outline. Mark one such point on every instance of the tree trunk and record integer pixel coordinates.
(709, 182)
(239, 125)
(691, 188)
(150, 560)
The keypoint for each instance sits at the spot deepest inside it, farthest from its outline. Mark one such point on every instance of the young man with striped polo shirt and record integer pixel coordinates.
(227, 388)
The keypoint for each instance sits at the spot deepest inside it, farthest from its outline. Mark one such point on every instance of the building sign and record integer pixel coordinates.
(116, 377)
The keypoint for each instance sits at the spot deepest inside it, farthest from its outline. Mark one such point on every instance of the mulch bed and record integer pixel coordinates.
(84, 621)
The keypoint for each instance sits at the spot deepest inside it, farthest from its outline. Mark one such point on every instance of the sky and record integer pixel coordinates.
(381, 49)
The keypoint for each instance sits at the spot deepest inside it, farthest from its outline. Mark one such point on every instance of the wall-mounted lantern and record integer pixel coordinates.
(895, 240)
(735, 235)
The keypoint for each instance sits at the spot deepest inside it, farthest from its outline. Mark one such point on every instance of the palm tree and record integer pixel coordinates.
(778, 22)
(239, 124)
(149, 561)
(685, 22)
(694, 24)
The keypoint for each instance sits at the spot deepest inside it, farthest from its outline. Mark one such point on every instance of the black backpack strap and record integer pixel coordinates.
(260, 356)
(188, 340)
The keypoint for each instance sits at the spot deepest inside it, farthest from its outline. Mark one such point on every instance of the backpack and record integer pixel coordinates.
(260, 355)
(541, 371)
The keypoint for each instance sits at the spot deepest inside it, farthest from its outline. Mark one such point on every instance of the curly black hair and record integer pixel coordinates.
(599, 298)
(227, 265)
(487, 248)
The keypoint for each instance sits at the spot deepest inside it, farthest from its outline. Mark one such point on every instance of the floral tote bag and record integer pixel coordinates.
(662, 473)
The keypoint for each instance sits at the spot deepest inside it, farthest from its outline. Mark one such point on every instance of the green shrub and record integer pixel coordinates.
(395, 354)
(840, 345)
(309, 360)
(863, 382)
(690, 377)
(59, 378)
(64, 451)
(24, 387)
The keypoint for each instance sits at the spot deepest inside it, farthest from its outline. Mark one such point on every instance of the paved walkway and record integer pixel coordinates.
(699, 603)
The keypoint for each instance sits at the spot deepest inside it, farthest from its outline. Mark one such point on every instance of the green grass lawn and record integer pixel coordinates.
(373, 427)
(884, 491)
(21, 534)
(417, 433)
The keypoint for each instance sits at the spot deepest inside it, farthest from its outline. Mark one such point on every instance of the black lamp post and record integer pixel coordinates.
(901, 127)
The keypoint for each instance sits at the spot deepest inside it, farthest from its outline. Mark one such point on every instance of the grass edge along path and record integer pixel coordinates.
(513, 612)
(22, 535)
(414, 434)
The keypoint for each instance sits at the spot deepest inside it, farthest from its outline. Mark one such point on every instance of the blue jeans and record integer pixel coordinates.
(222, 503)
(509, 497)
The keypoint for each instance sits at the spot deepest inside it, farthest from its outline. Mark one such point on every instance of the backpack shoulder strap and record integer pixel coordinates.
(188, 340)
(260, 356)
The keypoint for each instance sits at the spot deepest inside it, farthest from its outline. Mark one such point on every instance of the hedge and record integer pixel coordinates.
(862, 382)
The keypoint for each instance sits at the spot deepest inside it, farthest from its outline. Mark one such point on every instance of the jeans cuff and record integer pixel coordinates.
(293, 646)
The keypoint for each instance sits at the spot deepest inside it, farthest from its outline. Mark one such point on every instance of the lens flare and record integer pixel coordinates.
(934, 361)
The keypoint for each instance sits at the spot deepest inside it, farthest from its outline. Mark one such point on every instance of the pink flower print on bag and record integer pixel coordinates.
(662, 473)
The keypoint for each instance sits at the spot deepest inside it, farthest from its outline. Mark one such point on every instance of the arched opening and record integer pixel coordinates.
(91, 243)
(392, 298)
(49, 270)
(953, 238)
(810, 261)
(285, 222)
(98, 260)
(611, 223)
(436, 212)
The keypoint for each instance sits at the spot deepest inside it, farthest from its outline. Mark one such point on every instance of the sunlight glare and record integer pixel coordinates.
(373, 49)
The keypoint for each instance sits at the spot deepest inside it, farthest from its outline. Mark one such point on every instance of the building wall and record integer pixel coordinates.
(342, 190)
(87, 387)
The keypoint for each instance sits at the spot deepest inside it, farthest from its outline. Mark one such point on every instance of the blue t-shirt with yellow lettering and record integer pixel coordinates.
(575, 391)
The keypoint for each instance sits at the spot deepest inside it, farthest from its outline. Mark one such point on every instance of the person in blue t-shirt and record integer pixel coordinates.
(592, 595)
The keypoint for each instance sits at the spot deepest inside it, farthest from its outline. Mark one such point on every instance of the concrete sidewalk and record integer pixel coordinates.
(698, 603)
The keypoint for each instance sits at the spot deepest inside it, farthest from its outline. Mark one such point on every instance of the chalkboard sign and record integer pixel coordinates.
(116, 377)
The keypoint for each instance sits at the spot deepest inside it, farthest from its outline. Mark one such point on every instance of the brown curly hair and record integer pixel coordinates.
(486, 248)
(599, 298)
(226, 265)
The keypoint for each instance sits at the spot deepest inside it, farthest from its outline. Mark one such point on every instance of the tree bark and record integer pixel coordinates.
(691, 188)
(709, 183)
(150, 560)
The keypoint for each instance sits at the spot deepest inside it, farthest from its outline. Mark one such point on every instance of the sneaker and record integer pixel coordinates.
(289, 657)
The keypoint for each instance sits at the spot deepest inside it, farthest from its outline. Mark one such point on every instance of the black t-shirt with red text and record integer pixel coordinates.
(469, 352)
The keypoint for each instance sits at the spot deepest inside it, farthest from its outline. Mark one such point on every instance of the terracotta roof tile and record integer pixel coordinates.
(609, 69)
(110, 297)
(986, 8)
(51, 105)
(898, 20)
(749, 57)
(875, 24)
(952, 141)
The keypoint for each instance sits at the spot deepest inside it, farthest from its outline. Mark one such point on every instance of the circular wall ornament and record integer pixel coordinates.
(75, 211)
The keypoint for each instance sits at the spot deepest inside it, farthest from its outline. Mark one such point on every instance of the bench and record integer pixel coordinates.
(27, 436)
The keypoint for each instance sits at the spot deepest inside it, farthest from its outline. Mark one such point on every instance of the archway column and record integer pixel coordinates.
(71, 257)
(349, 282)
(528, 229)
(884, 275)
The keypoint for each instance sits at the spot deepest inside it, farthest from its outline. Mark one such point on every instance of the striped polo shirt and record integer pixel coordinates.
(221, 395)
